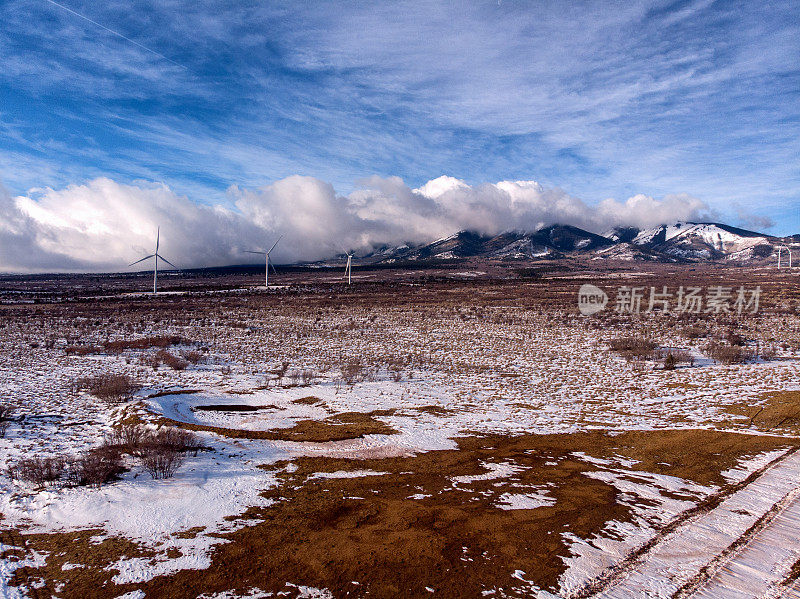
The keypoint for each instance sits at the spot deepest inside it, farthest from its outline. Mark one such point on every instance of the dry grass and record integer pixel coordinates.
(347, 425)
(456, 541)
(777, 412)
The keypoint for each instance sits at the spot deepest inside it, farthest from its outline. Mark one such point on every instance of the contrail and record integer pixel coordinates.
(118, 34)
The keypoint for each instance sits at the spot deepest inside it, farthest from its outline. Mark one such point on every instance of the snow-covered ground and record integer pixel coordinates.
(434, 379)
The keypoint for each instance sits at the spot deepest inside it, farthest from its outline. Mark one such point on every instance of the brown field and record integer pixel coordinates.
(502, 367)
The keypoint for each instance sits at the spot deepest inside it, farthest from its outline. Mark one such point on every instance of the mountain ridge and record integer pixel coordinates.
(677, 242)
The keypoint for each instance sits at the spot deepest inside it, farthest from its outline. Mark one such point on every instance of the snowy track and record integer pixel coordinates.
(745, 547)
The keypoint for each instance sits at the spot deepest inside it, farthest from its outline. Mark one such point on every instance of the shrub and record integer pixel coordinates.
(143, 343)
(352, 370)
(673, 357)
(5, 419)
(734, 338)
(694, 332)
(173, 439)
(109, 387)
(307, 376)
(97, 466)
(192, 356)
(768, 353)
(128, 437)
(728, 354)
(161, 462)
(282, 370)
(171, 360)
(38, 471)
(633, 348)
(82, 350)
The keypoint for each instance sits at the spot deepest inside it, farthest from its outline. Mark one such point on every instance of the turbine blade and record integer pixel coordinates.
(167, 261)
(259, 253)
(274, 244)
(142, 260)
(273, 268)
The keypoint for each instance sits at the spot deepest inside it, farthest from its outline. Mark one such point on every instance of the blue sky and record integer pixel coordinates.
(601, 99)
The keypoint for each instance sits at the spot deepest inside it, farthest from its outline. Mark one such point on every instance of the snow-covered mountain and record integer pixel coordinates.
(549, 242)
(698, 241)
(678, 242)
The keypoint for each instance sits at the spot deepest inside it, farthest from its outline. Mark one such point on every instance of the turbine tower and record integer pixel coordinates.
(348, 270)
(788, 249)
(267, 262)
(155, 265)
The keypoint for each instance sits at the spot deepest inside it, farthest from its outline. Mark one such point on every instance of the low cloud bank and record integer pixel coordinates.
(104, 225)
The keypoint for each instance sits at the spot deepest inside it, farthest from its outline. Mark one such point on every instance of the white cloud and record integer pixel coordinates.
(104, 225)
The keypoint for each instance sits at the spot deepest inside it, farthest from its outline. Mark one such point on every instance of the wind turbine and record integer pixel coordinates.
(266, 258)
(155, 265)
(780, 249)
(348, 270)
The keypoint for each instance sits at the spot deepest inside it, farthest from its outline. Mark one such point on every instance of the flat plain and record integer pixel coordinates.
(444, 432)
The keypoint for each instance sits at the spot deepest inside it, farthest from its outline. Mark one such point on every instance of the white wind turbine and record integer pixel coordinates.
(348, 270)
(788, 250)
(266, 259)
(155, 265)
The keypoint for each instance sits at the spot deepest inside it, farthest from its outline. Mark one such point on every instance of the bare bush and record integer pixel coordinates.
(395, 366)
(728, 354)
(694, 332)
(97, 466)
(128, 438)
(282, 370)
(5, 419)
(352, 371)
(192, 356)
(171, 360)
(38, 471)
(161, 462)
(82, 350)
(108, 387)
(174, 439)
(162, 341)
(767, 353)
(307, 376)
(734, 338)
(633, 348)
(674, 357)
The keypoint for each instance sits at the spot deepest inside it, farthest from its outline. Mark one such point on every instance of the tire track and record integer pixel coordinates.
(618, 571)
(718, 562)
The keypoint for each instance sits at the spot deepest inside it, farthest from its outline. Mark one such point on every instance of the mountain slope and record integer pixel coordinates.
(549, 242)
(698, 241)
(678, 242)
